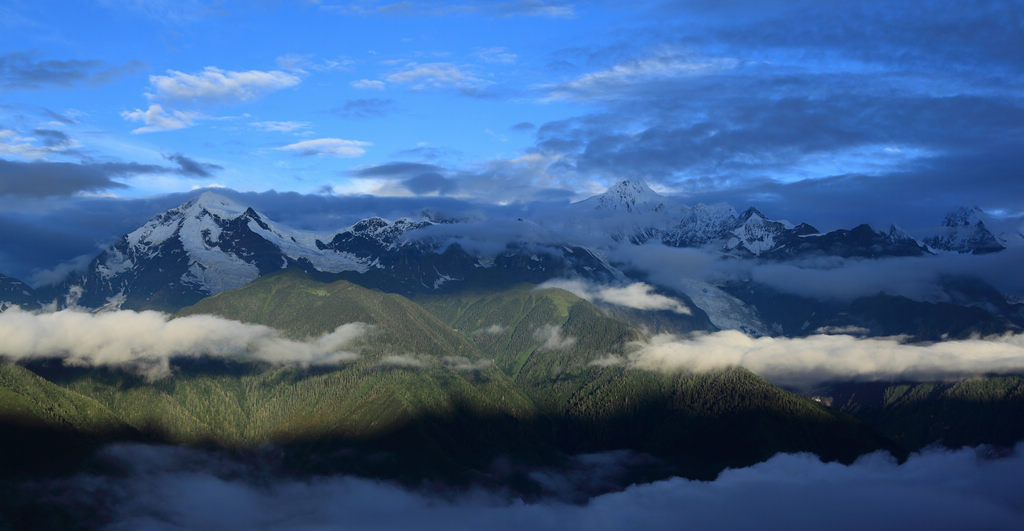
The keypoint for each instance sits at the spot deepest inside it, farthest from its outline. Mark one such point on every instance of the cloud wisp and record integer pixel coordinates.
(289, 126)
(416, 177)
(436, 76)
(619, 78)
(552, 338)
(638, 295)
(363, 108)
(40, 179)
(22, 70)
(804, 362)
(146, 341)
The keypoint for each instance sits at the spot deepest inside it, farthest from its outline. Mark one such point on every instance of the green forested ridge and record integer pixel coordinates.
(301, 307)
(966, 412)
(28, 397)
(542, 396)
(45, 428)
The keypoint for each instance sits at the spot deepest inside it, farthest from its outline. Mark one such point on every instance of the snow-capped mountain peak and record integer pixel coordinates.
(755, 233)
(963, 231)
(753, 216)
(630, 196)
(203, 214)
(217, 205)
(203, 246)
(963, 217)
(896, 234)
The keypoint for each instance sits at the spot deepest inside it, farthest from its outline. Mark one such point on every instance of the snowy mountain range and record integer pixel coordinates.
(639, 215)
(211, 244)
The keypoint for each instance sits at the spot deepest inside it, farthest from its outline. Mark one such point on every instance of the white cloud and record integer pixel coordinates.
(329, 146)
(637, 295)
(814, 359)
(434, 76)
(368, 84)
(371, 186)
(157, 119)
(552, 338)
(281, 127)
(145, 341)
(214, 84)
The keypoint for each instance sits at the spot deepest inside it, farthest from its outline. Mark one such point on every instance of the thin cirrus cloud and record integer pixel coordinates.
(498, 55)
(337, 147)
(435, 76)
(282, 126)
(217, 85)
(612, 81)
(364, 108)
(21, 70)
(505, 9)
(368, 84)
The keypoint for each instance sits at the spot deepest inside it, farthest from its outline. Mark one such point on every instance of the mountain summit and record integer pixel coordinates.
(629, 196)
(204, 246)
(964, 231)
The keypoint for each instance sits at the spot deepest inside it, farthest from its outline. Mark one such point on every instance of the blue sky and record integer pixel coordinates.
(236, 86)
(835, 113)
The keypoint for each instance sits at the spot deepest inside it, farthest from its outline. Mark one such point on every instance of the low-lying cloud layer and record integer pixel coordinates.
(176, 488)
(819, 358)
(638, 295)
(834, 278)
(146, 341)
